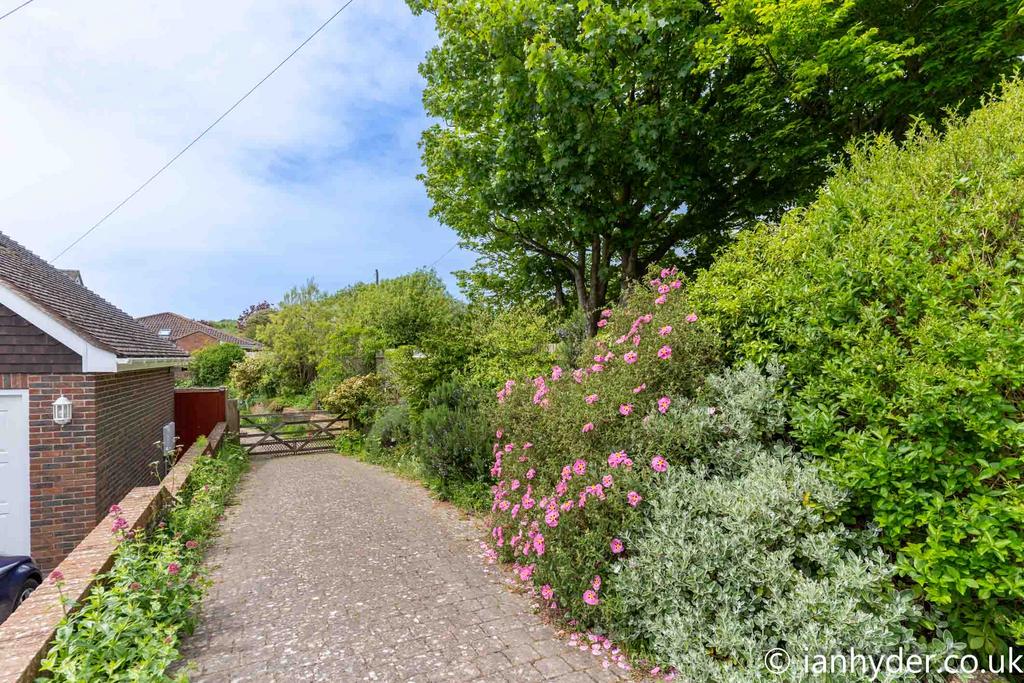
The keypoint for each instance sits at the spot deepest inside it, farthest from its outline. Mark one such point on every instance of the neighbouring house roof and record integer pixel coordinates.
(89, 316)
(75, 275)
(178, 326)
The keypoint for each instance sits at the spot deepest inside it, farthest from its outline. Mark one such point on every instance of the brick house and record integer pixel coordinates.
(191, 335)
(58, 338)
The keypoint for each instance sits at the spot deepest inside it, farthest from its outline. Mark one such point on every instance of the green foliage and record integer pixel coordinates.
(254, 376)
(365, 319)
(229, 325)
(739, 552)
(511, 343)
(579, 142)
(129, 626)
(895, 303)
(453, 435)
(211, 365)
(391, 429)
(357, 397)
(295, 333)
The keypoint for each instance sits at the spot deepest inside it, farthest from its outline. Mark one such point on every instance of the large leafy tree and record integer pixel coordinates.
(589, 139)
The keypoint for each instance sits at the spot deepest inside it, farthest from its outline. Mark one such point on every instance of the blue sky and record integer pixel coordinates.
(313, 176)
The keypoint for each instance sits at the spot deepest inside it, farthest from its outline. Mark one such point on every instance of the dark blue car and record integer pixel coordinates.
(19, 576)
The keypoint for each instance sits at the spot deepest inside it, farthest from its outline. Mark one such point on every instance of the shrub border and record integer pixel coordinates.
(26, 636)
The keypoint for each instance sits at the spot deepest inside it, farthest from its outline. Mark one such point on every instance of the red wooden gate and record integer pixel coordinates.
(196, 412)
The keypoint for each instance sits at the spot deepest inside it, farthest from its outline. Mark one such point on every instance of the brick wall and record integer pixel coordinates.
(62, 462)
(78, 471)
(132, 409)
(195, 341)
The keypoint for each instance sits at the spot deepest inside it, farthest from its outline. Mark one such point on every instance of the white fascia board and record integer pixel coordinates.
(129, 364)
(94, 359)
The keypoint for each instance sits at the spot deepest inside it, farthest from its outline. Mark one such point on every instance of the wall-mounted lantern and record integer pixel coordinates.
(62, 410)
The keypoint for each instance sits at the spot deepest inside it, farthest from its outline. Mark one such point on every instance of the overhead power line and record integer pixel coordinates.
(9, 13)
(438, 259)
(199, 137)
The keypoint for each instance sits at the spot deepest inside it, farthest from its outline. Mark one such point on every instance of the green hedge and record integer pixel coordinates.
(896, 303)
(211, 365)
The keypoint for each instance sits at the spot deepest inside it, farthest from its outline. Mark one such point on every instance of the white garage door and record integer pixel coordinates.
(15, 522)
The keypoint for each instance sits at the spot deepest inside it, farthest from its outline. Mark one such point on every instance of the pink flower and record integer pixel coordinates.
(595, 583)
(556, 373)
(498, 434)
(663, 289)
(661, 300)
(580, 467)
(626, 409)
(675, 284)
(56, 576)
(606, 313)
(597, 367)
(590, 597)
(663, 403)
(591, 399)
(692, 318)
(630, 357)
(617, 546)
(616, 458)
(636, 340)
(665, 352)
(191, 545)
(659, 464)
(602, 322)
(607, 481)
(589, 427)
(525, 573)
(174, 569)
(551, 519)
(514, 485)
(577, 376)
(504, 505)
(665, 331)
(547, 592)
(637, 390)
(531, 473)
(527, 446)
(538, 544)
(115, 510)
(633, 498)
(566, 506)
(119, 524)
(509, 447)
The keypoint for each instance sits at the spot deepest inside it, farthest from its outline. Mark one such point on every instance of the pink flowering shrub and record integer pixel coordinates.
(580, 488)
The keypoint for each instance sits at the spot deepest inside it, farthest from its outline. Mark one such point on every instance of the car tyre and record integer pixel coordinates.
(26, 590)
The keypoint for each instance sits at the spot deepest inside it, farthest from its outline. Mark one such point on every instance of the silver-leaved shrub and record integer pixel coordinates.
(738, 552)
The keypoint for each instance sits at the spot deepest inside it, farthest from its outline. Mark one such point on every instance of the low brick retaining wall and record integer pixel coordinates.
(26, 636)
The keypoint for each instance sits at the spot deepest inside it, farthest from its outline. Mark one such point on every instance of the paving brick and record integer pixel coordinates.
(331, 569)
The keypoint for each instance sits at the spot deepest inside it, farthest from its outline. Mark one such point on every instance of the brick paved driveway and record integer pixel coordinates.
(333, 570)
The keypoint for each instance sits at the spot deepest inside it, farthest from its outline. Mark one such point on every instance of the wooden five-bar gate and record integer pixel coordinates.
(273, 434)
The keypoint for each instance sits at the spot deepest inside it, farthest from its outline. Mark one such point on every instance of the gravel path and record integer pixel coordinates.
(330, 569)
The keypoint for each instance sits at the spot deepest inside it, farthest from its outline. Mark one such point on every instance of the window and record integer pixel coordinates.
(165, 333)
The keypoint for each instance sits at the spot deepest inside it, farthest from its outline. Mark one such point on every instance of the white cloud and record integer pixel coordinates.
(314, 175)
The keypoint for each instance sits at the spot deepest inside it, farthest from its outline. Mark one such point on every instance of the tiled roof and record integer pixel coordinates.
(180, 326)
(89, 314)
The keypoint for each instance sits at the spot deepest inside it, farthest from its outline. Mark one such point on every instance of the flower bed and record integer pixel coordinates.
(128, 626)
